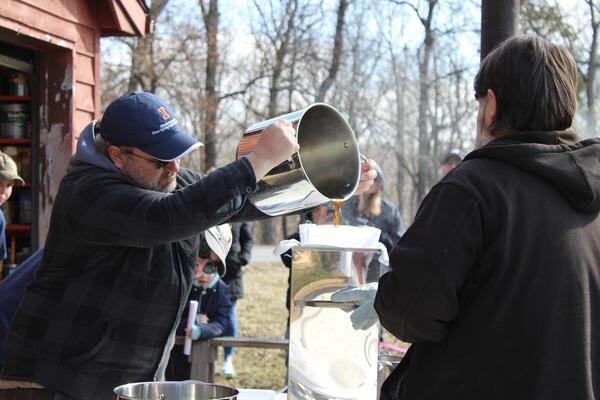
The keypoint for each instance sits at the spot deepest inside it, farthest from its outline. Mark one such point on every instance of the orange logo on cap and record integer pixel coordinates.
(164, 113)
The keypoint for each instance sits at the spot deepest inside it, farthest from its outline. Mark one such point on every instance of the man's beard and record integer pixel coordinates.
(145, 183)
(170, 187)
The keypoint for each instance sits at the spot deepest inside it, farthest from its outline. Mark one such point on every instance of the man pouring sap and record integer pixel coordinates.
(121, 249)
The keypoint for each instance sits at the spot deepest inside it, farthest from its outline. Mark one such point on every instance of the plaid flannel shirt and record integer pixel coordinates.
(116, 273)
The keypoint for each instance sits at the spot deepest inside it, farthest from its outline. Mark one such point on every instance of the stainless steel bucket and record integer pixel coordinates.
(326, 167)
(328, 358)
(185, 390)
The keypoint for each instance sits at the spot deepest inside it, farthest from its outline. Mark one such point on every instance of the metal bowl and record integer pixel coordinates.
(170, 390)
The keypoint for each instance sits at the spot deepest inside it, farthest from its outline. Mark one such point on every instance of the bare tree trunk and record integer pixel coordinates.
(290, 91)
(424, 169)
(436, 122)
(210, 15)
(268, 233)
(143, 75)
(592, 68)
(280, 54)
(137, 76)
(424, 151)
(400, 86)
(338, 48)
(455, 128)
(351, 106)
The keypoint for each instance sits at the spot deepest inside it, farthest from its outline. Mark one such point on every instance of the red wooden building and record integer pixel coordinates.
(49, 91)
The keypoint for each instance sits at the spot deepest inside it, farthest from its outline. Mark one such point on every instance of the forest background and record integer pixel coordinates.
(401, 72)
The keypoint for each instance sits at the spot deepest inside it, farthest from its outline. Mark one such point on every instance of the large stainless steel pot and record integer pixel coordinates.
(185, 390)
(326, 167)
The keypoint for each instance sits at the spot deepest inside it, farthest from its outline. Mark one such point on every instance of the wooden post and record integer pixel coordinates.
(499, 21)
(204, 352)
(203, 357)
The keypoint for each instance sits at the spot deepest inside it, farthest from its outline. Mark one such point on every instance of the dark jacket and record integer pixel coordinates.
(497, 281)
(389, 221)
(12, 289)
(115, 276)
(238, 256)
(215, 304)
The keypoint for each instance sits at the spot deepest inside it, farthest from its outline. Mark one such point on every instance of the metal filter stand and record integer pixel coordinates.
(326, 304)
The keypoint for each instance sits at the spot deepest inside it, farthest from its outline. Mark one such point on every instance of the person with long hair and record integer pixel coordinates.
(370, 208)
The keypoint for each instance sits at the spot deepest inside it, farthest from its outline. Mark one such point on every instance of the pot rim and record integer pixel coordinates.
(233, 395)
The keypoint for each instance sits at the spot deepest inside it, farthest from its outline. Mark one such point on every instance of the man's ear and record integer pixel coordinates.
(115, 154)
(490, 108)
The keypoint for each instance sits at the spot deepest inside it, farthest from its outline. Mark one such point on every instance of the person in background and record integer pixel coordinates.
(370, 208)
(451, 161)
(12, 289)
(9, 176)
(238, 256)
(212, 295)
(497, 281)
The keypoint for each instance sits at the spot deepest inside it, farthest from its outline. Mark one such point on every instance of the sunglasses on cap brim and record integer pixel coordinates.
(210, 268)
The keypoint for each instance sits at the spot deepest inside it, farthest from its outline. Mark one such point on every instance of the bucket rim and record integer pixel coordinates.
(352, 138)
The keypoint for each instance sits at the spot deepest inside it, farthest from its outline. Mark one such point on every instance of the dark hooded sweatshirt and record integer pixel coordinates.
(497, 281)
(116, 273)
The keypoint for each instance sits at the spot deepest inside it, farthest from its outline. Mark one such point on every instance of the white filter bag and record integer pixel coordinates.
(341, 236)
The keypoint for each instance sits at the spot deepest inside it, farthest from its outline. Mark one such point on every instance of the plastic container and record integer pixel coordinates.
(15, 120)
(18, 84)
(25, 207)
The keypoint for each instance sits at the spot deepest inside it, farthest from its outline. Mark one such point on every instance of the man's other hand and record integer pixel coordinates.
(367, 176)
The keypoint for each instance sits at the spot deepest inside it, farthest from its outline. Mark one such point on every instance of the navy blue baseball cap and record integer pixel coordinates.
(142, 120)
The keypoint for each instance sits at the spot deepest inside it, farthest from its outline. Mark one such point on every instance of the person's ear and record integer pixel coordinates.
(490, 108)
(116, 155)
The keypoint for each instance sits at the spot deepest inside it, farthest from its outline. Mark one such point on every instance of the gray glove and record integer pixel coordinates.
(364, 316)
